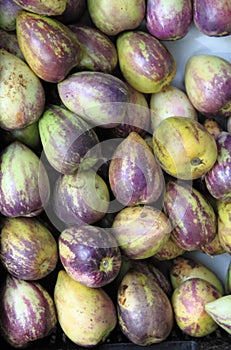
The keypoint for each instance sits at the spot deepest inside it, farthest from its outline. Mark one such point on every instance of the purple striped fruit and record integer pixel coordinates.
(224, 224)
(24, 183)
(99, 52)
(22, 94)
(86, 315)
(192, 216)
(50, 48)
(80, 198)
(208, 84)
(135, 177)
(90, 255)
(28, 249)
(27, 312)
(117, 16)
(218, 310)
(169, 251)
(141, 231)
(188, 301)
(67, 140)
(43, 7)
(168, 20)
(145, 313)
(212, 17)
(9, 42)
(217, 179)
(9, 12)
(144, 61)
(100, 98)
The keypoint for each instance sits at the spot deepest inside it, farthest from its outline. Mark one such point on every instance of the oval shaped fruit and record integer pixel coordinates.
(9, 12)
(43, 7)
(169, 102)
(193, 218)
(28, 249)
(86, 315)
(99, 98)
(212, 17)
(24, 183)
(116, 16)
(144, 311)
(188, 301)
(68, 141)
(183, 268)
(27, 312)
(144, 61)
(141, 231)
(208, 84)
(50, 48)
(80, 198)
(214, 247)
(90, 255)
(168, 20)
(217, 179)
(169, 251)
(218, 310)
(224, 224)
(99, 51)
(184, 148)
(22, 94)
(135, 177)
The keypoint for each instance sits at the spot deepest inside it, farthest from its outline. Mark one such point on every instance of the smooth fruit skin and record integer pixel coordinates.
(9, 12)
(208, 84)
(28, 249)
(86, 315)
(135, 176)
(22, 94)
(228, 280)
(49, 47)
(193, 219)
(24, 183)
(116, 16)
(90, 255)
(168, 20)
(184, 148)
(67, 140)
(224, 224)
(183, 268)
(212, 17)
(141, 231)
(188, 301)
(219, 310)
(27, 312)
(217, 179)
(144, 61)
(144, 311)
(99, 52)
(43, 7)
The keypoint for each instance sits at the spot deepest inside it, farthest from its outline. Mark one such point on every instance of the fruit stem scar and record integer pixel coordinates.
(196, 161)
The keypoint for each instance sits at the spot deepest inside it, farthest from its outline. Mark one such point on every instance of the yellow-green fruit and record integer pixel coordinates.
(184, 148)
(86, 315)
(224, 224)
(185, 268)
(228, 280)
(220, 311)
(169, 251)
(188, 301)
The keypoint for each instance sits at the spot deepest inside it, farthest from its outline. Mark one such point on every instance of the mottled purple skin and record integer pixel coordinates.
(100, 98)
(73, 11)
(208, 84)
(135, 176)
(80, 198)
(212, 17)
(168, 22)
(9, 42)
(9, 12)
(99, 52)
(217, 179)
(90, 255)
(35, 318)
(145, 313)
(24, 183)
(66, 140)
(193, 218)
(49, 46)
(51, 8)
